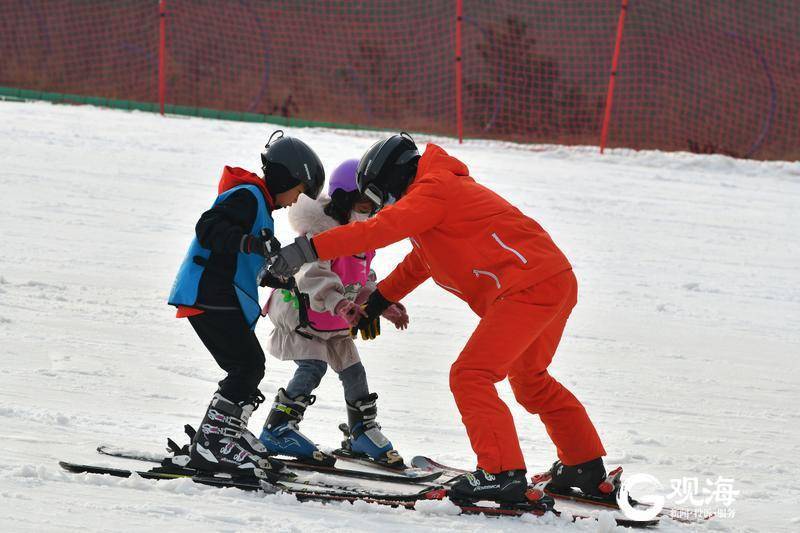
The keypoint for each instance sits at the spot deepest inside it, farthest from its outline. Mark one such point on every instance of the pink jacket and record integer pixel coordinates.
(353, 271)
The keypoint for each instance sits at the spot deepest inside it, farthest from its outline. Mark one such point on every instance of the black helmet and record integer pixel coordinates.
(287, 161)
(387, 169)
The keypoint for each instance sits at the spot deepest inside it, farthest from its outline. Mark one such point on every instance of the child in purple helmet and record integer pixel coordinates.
(336, 290)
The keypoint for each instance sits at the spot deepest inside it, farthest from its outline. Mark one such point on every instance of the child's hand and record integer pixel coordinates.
(350, 311)
(363, 294)
(397, 315)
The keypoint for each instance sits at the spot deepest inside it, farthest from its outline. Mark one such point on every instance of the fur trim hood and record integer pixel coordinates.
(307, 215)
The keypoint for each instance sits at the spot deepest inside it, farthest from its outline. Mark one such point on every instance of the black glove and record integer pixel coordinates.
(370, 324)
(369, 330)
(266, 245)
(375, 305)
(289, 260)
(265, 279)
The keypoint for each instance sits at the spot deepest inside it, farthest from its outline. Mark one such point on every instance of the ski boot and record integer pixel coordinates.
(223, 444)
(363, 437)
(589, 477)
(281, 436)
(508, 486)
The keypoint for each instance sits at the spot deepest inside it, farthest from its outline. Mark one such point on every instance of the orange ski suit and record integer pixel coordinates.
(479, 247)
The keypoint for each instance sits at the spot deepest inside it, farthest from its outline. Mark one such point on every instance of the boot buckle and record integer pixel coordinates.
(610, 483)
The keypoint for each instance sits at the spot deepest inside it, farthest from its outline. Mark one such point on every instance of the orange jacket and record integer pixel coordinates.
(471, 241)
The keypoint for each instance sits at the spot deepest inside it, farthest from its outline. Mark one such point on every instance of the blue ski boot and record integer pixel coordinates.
(281, 436)
(363, 437)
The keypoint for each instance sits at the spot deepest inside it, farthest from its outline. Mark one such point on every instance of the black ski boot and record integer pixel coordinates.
(224, 444)
(588, 477)
(508, 486)
(363, 437)
(281, 436)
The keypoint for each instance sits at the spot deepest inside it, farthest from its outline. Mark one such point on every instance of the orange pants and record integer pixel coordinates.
(518, 337)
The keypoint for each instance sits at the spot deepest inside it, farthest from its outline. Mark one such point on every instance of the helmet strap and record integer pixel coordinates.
(375, 195)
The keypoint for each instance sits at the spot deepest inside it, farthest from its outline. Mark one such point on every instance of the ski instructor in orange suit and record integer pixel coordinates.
(476, 245)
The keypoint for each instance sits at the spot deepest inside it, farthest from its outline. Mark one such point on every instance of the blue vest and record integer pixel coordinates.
(187, 282)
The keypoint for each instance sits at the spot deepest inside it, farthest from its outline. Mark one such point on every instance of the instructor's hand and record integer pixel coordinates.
(375, 305)
(265, 279)
(370, 323)
(369, 330)
(289, 260)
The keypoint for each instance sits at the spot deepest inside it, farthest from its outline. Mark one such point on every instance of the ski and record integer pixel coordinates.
(540, 482)
(610, 486)
(174, 471)
(349, 456)
(426, 463)
(417, 477)
(76, 468)
(391, 461)
(538, 506)
(249, 483)
(409, 502)
(402, 477)
(158, 474)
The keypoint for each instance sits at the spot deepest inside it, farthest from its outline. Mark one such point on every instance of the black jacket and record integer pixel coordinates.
(220, 229)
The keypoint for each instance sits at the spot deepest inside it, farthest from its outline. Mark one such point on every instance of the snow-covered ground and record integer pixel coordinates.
(684, 345)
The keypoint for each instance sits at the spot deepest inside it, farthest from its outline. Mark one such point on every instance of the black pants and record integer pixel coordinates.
(235, 348)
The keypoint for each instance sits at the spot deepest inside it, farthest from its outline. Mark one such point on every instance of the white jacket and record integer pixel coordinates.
(325, 291)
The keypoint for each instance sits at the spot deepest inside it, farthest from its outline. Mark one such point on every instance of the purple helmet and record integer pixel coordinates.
(344, 177)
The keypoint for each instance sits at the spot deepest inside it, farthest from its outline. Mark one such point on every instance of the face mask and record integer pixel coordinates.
(355, 216)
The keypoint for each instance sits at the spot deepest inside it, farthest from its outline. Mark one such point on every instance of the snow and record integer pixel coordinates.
(683, 347)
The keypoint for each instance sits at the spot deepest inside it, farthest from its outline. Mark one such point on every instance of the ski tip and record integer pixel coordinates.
(71, 467)
(105, 449)
(421, 476)
(628, 522)
(422, 462)
(425, 466)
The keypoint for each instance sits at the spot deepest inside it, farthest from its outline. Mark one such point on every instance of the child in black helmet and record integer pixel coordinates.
(216, 289)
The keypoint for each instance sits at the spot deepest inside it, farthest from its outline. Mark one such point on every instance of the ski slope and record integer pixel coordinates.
(684, 345)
